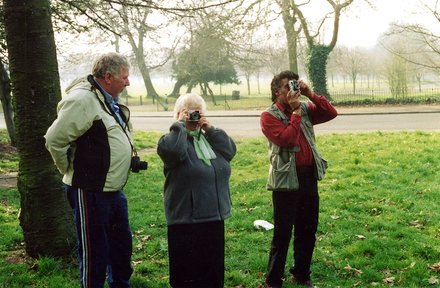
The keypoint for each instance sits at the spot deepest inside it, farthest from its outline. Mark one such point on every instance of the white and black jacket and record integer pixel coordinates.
(86, 142)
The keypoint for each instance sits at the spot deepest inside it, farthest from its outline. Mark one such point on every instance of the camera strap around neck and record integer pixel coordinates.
(112, 112)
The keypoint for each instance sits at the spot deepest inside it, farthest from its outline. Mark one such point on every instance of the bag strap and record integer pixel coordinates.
(112, 112)
(276, 112)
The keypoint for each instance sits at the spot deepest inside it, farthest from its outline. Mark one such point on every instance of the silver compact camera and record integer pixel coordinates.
(294, 85)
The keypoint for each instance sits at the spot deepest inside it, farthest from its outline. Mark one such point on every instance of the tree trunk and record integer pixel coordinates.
(208, 89)
(190, 87)
(291, 36)
(5, 97)
(151, 92)
(353, 76)
(248, 83)
(258, 83)
(45, 217)
(138, 49)
(203, 90)
(179, 83)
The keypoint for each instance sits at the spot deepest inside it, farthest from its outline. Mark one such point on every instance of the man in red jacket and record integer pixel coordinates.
(288, 125)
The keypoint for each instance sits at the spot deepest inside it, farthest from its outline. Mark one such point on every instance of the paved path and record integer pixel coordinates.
(245, 123)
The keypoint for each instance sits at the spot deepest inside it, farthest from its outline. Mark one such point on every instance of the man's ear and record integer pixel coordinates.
(108, 77)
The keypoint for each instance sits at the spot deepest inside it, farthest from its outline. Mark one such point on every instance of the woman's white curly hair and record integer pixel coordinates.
(189, 101)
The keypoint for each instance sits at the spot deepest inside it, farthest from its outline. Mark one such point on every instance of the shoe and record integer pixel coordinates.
(305, 283)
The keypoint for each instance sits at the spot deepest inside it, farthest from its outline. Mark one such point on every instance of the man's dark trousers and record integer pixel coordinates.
(298, 209)
(104, 237)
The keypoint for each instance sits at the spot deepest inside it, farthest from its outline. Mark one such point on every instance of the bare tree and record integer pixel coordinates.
(423, 45)
(136, 22)
(396, 73)
(276, 60)
(250, 64)
(231, 31)
(292, 33)
(351, 62)
(318, 53)
(422, 51)
(136, 28)
(416, 47)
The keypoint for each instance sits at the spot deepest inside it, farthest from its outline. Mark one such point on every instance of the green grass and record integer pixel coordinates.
(379, 219)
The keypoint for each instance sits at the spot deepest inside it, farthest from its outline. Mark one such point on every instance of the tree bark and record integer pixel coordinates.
(291, 35)
(5, 97)
(179, 83)
(209, 90)
(138, 49)
(248, 83)
(45, 217)
(319, 53)
(317, 69)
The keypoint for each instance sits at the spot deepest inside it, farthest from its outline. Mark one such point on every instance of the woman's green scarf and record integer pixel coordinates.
(203, 148)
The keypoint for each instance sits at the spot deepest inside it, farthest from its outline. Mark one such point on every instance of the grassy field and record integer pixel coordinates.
(222, 102)
(379, 221)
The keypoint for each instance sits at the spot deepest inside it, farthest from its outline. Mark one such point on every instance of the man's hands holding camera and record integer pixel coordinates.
(293, 96)
(305, 89)
(294, 102)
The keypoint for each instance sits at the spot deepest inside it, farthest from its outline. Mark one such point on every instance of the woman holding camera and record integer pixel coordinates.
(196, 160)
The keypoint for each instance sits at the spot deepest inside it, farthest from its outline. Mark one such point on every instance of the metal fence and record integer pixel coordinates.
(383, 95)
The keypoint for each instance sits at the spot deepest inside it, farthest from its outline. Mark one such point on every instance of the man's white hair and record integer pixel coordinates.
(110, 62)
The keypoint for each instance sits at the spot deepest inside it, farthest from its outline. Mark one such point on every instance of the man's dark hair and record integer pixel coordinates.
(276, 82)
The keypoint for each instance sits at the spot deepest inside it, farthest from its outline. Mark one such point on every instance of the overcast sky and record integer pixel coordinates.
(361, 27)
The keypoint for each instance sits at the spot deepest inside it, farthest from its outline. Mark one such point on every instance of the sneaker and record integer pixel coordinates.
(305, 283)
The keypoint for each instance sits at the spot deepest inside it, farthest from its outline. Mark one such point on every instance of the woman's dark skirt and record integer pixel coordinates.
(196, 255)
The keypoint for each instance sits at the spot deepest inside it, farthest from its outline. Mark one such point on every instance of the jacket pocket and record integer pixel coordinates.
(321, 165)
(282, 173)
(204, 204)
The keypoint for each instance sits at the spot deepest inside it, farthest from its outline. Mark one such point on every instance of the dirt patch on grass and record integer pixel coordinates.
(18, 256)
(8, 180)
(146, 151)
(7, 149)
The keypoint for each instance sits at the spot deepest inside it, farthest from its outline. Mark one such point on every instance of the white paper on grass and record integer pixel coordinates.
(263, 224)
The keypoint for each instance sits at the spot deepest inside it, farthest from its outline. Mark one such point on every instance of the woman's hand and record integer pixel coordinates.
(204, 123)
(183, 115)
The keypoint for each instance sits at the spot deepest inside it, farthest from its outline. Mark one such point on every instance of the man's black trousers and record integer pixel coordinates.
(296, 210)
